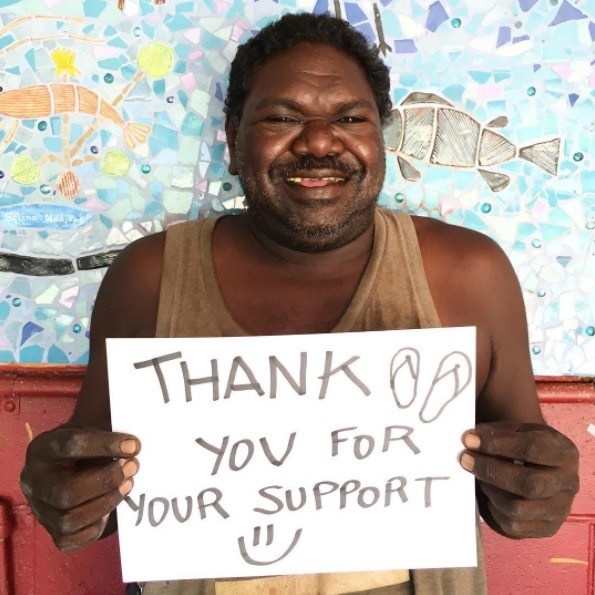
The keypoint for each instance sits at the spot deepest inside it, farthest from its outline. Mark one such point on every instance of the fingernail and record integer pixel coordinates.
(472, 441)
(129, 468)
(125, 487)
(467, 462)
(128, 447)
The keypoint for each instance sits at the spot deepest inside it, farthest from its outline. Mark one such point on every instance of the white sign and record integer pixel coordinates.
(296, 454)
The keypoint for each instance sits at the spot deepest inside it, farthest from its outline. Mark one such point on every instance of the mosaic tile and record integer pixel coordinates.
(74, 193)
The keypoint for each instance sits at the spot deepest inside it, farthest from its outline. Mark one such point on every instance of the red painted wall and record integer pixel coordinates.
(34, 399)
(563, 564)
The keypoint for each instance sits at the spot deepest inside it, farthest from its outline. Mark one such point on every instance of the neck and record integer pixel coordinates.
(345, 256)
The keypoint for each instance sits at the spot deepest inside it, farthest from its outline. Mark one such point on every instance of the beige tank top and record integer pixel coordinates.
(393, 294)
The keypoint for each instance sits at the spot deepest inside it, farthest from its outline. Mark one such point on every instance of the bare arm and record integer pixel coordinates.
(75, 475)
(126, 306)
(527, 472)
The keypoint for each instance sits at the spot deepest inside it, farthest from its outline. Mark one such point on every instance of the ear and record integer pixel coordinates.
(231, 132)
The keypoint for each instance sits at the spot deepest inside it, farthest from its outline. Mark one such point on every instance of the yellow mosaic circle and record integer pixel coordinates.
(24, 170)
(115, 163)
(156, 59)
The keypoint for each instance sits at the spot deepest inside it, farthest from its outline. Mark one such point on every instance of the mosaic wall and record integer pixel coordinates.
(111, 128)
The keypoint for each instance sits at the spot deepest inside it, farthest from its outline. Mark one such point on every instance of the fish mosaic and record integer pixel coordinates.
(112, 128)
(427, 127)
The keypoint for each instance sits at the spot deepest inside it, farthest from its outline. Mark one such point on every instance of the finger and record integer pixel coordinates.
(518, 529)
(69, 444)
(521, 510)
(67, 488)
(523, 480)
(86, 536)
(60, 524)
(530, 443)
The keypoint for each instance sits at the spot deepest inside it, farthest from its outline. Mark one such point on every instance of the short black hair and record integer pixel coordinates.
(291, 30)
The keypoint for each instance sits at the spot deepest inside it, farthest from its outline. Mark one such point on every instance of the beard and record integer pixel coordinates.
(317, 225)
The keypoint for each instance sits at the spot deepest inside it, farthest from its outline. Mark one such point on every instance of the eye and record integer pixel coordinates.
(282, 119)
(351, 120)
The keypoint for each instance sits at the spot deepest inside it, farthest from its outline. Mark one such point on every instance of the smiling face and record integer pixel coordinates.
(309, 149)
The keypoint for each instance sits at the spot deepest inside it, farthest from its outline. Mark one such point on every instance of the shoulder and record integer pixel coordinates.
(443, 242)
(457, 260)
(446, 241)
(139, 265)
(127, 301)
(128, 298)
(469, 274)
(140, 253)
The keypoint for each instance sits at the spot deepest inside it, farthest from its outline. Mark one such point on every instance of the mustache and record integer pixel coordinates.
(308, 162)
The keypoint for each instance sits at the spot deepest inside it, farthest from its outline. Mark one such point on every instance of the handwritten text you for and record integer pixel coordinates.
(295, 454)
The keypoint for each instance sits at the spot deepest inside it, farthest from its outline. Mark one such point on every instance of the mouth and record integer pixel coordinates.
(319, 181)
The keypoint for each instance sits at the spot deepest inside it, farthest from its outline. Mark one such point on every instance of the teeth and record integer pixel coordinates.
(300, 180)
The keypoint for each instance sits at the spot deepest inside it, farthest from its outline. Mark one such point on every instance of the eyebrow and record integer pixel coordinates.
(293, 105)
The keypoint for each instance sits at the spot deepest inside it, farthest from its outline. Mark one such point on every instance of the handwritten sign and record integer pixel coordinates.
(296, 454)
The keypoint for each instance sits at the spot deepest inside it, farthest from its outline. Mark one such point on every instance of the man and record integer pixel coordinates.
(313, 253)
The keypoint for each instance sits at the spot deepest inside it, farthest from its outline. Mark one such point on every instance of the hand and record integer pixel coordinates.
(527, 475)
(74, 478)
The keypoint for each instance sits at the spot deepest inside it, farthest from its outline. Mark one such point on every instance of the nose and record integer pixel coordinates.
(317, 138)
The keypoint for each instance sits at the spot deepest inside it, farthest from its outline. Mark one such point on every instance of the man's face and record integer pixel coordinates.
(309, 150)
